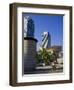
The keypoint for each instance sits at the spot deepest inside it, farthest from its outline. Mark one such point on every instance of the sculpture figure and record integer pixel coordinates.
(28, 27)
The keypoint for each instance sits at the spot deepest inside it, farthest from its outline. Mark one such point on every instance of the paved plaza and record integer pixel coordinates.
(45, 69)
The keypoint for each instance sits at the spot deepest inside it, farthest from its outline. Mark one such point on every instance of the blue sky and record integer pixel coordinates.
(51, 23)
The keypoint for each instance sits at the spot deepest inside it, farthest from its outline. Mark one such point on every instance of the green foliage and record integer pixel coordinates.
(39, 58)
(46, 57)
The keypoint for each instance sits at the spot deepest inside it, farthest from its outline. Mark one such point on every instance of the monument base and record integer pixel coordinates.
(29, 54)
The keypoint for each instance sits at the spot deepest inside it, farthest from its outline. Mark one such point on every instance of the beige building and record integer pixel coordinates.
(56, 49)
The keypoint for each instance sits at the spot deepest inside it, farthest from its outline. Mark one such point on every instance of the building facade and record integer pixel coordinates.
(46, 40)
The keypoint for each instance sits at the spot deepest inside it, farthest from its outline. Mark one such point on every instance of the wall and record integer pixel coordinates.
(4, 46)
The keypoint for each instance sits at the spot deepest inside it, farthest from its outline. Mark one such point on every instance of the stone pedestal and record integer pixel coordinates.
(29, 54)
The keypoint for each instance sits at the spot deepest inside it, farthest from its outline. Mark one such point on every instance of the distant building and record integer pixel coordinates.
(60, 59)
(46, 40)
(57, 49)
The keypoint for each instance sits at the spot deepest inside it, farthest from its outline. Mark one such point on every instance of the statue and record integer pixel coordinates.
(30, 43)
(28, 27)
